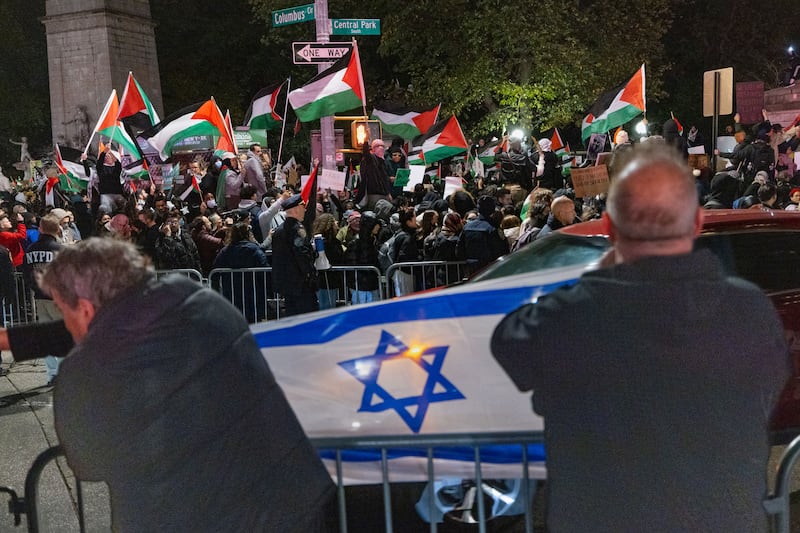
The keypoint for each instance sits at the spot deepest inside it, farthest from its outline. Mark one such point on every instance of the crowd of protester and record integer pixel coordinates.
(229, 221)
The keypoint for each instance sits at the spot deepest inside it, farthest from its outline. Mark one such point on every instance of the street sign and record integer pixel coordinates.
(292, 15)
(355, 26)
(310, 53)
(718, 92)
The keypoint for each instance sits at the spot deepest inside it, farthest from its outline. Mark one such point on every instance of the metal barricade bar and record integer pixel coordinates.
(410, 277)
(190, 273)
(19, 307)
(777, 504)
(30, 505)
(429, 443)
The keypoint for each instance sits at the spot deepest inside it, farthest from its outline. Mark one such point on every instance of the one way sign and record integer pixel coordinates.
(307, 53)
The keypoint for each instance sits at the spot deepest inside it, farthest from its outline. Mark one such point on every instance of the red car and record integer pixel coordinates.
(762, 247)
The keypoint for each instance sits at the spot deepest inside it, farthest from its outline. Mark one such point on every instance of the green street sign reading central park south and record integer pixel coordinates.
(355, 26)
(292, 15)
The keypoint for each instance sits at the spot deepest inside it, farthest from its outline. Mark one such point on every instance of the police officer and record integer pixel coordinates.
(38, 256)
(293, 255)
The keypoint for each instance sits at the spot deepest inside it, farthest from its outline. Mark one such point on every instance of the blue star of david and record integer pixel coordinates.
(376, 399)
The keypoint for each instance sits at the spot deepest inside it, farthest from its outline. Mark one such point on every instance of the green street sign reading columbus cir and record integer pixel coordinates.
(292, 15)
(355, 26)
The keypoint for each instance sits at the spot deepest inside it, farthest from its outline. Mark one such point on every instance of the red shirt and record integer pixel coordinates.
(13, 241)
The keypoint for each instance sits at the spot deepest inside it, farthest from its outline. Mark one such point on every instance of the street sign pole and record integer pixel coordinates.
(717, 100)
(325, 123)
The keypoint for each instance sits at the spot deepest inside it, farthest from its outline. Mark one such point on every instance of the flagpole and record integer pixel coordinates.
(97, 126)
(285, 116)
(361, 80)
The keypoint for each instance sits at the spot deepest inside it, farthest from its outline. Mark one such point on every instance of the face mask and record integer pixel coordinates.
(218, 164)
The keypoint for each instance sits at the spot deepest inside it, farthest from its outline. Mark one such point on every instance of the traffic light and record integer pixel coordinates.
(362, 131)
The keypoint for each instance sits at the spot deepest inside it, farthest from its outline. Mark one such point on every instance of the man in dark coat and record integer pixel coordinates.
(293, 255)
(174, 406)
(655, 399)
(375, 183)
(37, 257)
(481, 241)
(562, 213)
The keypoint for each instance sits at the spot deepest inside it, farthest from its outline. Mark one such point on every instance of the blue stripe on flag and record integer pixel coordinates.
(494, 454)
(409, 309)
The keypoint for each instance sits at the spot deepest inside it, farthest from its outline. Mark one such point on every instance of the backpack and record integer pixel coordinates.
(761, 157)
(527, 237)
(387, 253)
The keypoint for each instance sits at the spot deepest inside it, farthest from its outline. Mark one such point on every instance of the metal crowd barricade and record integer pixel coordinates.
(250, 290)
(29, 505)
(190, 273)
(19, 307)
(777, 505)
(405, 278)
(431, 443)
(346, 279)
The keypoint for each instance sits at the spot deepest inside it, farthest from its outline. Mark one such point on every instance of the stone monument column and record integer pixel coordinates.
(91, 47)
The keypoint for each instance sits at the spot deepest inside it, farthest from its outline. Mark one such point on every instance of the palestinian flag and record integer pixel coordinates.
(137, 170)
(224, 142)
(211, 112)
(194, 186)
(71, 175)
(678, 124)
(188, 122)
(338, 88)
(135, 109)
(487, 155)
(109, 126)
(261, 114)
(556, 143)
(415, 156)
(445, 139)
(616, 107)
(404, 122)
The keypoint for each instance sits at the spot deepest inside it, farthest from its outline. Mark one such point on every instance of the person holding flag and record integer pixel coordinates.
(109, 172)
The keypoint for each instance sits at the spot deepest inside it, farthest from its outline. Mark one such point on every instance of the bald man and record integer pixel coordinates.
(655, 395)
(562, 213)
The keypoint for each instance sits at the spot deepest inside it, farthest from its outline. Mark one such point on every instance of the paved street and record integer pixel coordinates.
(26, 416)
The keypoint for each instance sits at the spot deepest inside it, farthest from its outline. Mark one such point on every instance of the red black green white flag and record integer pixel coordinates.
(445, 139)
(336, 89)
(135, 108)
(262, 113)
(404, 122)
(616, 107)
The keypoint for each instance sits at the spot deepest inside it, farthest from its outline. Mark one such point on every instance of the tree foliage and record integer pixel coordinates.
(494, 64)
(507, 64)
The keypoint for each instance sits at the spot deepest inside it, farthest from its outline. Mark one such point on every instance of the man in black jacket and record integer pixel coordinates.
(37, 257)
(482, 242)
(655, 399)
(174, 406)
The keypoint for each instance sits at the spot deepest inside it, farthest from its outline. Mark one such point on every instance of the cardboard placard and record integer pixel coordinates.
(698, 161)
(331, 179)
(589, 181)
(750, 101)
(451, 185)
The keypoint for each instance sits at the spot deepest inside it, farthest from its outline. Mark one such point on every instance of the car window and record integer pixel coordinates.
(770, 259)
(556, 250)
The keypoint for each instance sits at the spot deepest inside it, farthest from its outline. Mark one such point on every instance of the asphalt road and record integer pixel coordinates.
(26, 419)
